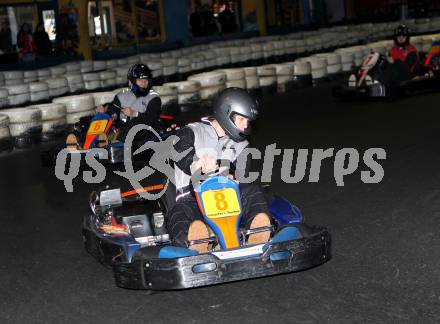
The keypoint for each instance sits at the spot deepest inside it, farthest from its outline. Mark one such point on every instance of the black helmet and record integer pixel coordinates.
(233, 101)
(401, 30)
(139, 71)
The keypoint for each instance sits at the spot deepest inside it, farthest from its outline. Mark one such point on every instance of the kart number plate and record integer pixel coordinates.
(221, 203)
(239, 253)
(97, 127)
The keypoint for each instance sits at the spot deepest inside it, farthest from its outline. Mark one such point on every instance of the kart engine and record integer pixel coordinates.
(141, 219)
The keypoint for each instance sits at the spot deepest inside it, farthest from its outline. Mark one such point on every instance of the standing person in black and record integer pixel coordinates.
(226, 19)
(196, 21)
(209, 24)
(42, 41)
(5, 38)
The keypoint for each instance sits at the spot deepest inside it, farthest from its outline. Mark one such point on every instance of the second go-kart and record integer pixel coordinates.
(128, 234)
(100, 131)
(370, 81)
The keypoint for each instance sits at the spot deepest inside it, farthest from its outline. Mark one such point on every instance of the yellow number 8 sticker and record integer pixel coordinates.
(221, 203)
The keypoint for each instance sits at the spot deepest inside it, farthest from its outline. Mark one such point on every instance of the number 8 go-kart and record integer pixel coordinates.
(128, 234)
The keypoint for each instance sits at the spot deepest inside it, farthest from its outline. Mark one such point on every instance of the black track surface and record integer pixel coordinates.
(386, 258)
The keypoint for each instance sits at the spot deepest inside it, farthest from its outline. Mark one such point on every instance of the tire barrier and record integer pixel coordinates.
(75, 82)
(254, 64)
(57, 87)
(18, 94)
(267, 78)
(188, 93)
(92, 81)
(169, 69)
(5, 134)
(210, 82)
(334, 66)
(77, 106)
(53, 120)
(235, 78)
(86, 66)
(25, 125)
(284, 74)
(101, 98)
(43, 75)
(30, 76)
(13, 78)
(169, 97)
(73, 118)
(302, 74)
(39, 91)
(107, 79)
(57, 71)
(4, 98)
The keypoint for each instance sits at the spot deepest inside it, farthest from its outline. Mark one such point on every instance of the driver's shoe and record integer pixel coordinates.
(198, 231)
(260, 220)
(72, 142)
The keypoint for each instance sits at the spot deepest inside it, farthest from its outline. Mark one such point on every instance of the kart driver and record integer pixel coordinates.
(223, 135)
(141, 105)
(404, 58)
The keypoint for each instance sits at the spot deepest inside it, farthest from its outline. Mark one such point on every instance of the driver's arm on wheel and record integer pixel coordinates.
(129, 112)
(110, 108)
(206, 163)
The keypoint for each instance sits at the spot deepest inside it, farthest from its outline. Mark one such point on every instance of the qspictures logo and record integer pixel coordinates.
(308, 164)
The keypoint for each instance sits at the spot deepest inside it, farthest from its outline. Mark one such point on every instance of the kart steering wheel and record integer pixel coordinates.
(199, 176)
(230, 168)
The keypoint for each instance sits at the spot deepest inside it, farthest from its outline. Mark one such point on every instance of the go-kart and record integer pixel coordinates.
(371, 81)
(128, 234)
(100, 131)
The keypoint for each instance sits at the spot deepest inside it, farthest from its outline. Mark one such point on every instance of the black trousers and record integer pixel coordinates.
(186, 210)
(142, 136)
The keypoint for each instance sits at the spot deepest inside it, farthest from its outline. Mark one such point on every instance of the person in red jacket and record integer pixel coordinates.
(403, 56)
(26, 44)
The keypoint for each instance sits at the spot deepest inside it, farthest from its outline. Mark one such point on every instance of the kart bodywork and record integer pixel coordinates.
(366, 83)
(416, 86)
(90, 130)
(137, 246)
